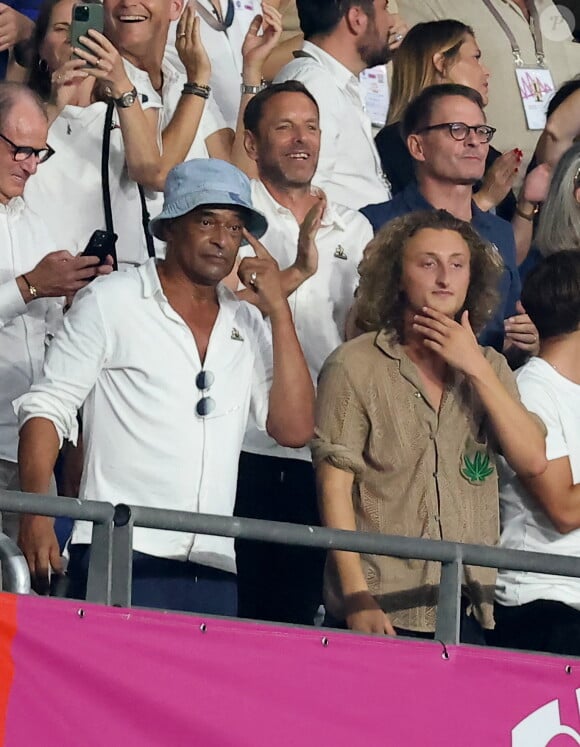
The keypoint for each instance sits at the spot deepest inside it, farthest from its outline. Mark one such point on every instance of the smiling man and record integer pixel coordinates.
(341, 40)
(448, 137)
(409, 420)
(33, 276)
(167, 364)
(318, 246)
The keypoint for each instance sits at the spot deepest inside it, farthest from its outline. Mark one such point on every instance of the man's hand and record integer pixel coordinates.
(521, 332)
(498, 179)
(39, 544)
(307, 254)
(190, 48)
(453, 342)
(257, 46)
(364, 615)
(61, 274)
(261, 276)
(14, 27)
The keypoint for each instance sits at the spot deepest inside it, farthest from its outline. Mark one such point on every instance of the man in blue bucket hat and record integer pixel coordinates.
(167, 364)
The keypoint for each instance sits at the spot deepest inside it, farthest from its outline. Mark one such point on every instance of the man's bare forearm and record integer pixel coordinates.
(37, 453)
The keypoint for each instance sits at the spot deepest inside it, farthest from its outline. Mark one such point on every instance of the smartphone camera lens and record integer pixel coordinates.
(81, 13)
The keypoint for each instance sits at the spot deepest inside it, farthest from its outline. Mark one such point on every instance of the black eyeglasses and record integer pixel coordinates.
(23, 152)
(206, 405)
(459, 130)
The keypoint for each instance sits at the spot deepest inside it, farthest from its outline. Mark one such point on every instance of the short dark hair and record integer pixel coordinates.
(321, 17)
(255, 108)
(418, 114)
(551, 294)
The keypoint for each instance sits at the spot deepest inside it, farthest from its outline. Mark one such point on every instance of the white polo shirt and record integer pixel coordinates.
(225, 52)
(130, 358)
(320, 305)
(23, 327)
(349, 168)
(525, 526)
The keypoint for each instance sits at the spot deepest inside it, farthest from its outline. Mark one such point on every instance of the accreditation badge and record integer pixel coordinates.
(374, 88)
(536, 89)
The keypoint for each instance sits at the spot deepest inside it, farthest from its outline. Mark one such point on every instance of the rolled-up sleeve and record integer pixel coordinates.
(342, 426)
(73, 362)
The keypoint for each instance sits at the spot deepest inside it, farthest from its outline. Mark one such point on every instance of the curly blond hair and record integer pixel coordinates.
(380, 301)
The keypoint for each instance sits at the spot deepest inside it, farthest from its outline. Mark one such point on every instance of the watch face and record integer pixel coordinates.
(128, 98)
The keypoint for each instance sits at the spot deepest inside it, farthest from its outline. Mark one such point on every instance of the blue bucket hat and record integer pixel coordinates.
(207, 181)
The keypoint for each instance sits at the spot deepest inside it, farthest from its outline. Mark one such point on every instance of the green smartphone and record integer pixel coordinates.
(85, 16)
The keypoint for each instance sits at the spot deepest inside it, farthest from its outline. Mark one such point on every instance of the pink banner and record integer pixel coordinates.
(134, 678)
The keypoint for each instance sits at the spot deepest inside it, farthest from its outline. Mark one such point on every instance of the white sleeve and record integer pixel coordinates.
(537, 399)
(263, 369)
(11, 302)
(73, 362)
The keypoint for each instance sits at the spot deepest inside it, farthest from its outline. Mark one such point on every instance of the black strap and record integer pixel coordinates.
(107, 191)
(105, 167)
(145, 218)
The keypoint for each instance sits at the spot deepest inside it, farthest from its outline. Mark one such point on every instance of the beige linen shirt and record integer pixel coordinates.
(417, 472)
(505, 110)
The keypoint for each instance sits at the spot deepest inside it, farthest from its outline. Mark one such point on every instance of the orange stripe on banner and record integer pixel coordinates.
(8, 604)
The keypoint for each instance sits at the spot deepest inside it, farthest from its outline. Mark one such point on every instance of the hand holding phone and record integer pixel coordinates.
(86, 16)
(102, 245)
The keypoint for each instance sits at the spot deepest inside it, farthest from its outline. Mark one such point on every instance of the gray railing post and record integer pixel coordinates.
(100, 564)
(15, 573)
(448, 626)
(122, 577)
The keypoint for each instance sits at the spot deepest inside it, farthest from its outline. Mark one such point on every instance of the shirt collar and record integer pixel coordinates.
(15, 206)
(338, 71)
(330, 217)
(152, 288)
(414, 200)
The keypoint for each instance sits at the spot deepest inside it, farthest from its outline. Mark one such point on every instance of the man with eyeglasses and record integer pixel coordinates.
(33, 275)
(448, 137)
(168, 364)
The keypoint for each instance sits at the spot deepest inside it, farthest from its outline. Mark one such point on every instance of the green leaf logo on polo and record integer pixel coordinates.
(478, 469)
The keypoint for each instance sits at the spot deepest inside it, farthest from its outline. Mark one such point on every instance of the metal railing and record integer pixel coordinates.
(109, 580)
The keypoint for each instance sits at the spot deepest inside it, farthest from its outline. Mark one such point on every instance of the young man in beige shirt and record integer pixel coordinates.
(410, 418)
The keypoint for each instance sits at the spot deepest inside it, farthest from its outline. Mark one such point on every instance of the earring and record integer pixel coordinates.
(43, 65)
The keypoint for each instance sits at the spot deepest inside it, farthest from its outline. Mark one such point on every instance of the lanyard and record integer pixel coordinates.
(215, 19)
(534, 28)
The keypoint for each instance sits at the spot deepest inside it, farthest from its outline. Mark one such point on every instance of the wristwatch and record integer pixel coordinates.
(126, 99)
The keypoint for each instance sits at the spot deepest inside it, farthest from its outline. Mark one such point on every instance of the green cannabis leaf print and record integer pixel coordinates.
(478, 469)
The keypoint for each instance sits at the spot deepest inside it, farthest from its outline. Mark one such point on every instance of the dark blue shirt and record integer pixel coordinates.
(495, 230)
(28, 8)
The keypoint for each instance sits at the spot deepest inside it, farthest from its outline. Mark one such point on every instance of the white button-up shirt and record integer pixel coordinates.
(320, 305)
(349, 169)
(131, 359)
(23, 327)
(525, 526)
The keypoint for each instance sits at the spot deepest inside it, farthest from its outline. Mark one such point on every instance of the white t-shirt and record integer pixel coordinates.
(127, 355)
(224, 49)
(524, 525)
(349, 167)
(321, 304)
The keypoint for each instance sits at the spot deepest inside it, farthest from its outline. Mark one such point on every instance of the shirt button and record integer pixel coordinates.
(437, 517)
(418, 395)
(431, 437)
(435, 475)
